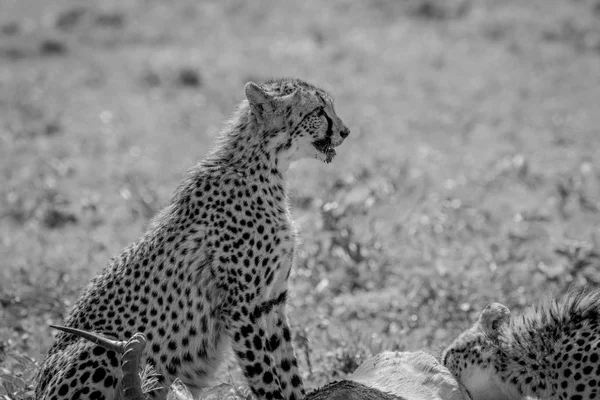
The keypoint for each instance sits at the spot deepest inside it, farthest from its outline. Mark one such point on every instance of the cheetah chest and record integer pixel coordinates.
(277, 272)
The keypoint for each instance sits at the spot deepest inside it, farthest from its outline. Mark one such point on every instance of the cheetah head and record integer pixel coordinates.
(297, 119)
(470, 357)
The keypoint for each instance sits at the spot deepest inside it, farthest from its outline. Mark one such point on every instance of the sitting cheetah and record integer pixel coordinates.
(550, 352)
(211, 271)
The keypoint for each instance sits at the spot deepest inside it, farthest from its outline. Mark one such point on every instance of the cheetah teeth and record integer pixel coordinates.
(326, 147)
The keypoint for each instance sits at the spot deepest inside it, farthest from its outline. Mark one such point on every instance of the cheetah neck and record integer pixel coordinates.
(244, 146)
(522, 365)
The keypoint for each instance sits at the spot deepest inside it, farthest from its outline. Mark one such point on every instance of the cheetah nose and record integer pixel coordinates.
(345, 132)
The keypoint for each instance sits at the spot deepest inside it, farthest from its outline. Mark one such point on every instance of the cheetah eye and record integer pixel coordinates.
(319, 110)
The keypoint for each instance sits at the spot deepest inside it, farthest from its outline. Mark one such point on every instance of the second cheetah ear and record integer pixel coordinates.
(261, 103)
(492, 318)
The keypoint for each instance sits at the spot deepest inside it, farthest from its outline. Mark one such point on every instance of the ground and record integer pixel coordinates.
(472, 173)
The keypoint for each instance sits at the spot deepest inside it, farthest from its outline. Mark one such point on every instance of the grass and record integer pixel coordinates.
(472, 173)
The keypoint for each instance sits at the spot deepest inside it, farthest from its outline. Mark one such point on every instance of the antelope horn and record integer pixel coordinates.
(109, 344)
(131, 352)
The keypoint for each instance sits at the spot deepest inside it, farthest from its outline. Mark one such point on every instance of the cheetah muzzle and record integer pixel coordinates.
(326, 147)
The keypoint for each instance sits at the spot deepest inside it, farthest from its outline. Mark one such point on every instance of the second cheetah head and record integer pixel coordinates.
(297, 119)
(471, 356)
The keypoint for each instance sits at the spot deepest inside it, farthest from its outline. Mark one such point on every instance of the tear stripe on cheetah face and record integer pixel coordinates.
(552, 351)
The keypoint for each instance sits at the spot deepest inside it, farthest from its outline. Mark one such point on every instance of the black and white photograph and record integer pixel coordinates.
(299, 200)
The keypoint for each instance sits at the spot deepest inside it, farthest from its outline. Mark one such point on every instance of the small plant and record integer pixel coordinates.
(17, 377)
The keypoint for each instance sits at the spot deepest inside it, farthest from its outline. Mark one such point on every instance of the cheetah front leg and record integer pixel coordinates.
(280, 346)
(249, 334)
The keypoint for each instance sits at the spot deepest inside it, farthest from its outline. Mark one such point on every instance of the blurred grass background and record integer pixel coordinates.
(472, 173)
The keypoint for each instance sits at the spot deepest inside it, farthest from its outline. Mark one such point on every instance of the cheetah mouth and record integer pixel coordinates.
(326, 147)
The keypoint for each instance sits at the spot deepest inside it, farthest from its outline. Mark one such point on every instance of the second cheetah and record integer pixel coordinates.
(212, 269)
(551, 352)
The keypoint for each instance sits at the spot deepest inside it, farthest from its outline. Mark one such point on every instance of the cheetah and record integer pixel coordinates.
(552, 351)
(211, 271)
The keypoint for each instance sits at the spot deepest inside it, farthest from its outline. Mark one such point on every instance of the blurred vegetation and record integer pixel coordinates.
(472, 173)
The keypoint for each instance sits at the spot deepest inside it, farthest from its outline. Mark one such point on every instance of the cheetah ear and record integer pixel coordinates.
(261, 103)
(492, 318)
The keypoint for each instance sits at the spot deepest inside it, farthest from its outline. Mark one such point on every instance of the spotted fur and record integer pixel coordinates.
(552, 351)
(212, 269)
